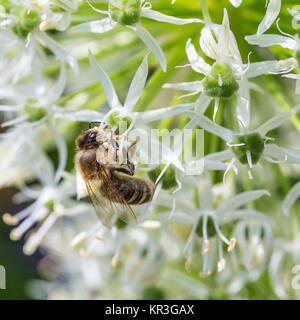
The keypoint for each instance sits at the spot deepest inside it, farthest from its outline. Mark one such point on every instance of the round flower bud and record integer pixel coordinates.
(168, 179)
(33, 113)
(211, 231)
(121, 124)
(26, 21)
(252, 142)
(220, 82)
(125, 12)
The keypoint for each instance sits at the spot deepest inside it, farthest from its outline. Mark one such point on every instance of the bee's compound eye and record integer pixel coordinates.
(92, 137)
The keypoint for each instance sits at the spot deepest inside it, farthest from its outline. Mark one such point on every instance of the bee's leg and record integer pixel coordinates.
(131, 151)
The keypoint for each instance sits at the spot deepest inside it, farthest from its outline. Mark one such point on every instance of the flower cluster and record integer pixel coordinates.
(67, 63)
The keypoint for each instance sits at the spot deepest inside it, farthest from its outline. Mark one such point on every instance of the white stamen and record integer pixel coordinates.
(250, 174)
(249, 159)
(78, 239)
(35, 239)
(217, 102)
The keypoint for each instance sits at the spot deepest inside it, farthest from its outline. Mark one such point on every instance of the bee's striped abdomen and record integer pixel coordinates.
(143, 193)
(134, 190)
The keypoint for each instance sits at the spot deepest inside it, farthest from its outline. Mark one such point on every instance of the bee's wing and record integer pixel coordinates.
(118, 204)
(99, 202)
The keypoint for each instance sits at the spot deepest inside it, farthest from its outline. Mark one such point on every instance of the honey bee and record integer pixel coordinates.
(108, 171)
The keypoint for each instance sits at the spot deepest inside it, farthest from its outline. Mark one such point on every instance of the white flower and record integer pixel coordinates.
(207, 220)
(228, 75)
(286, 41)
(18, 150)
(24, 26)
(35, 104)
(128, 13)
(126, 111)
(249, 146)
(50, 202)
(284, 260)
(255, 239)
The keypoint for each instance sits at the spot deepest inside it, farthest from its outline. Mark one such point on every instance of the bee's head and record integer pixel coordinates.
(90, 139)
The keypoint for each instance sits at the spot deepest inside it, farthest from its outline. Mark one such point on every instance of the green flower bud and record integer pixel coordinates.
(26, 21)
(168, 179)
(253, 142)
(210, 227)
(220, 82)
(125, 12)
(120, 224)
(153, 293)
(33, 113)
(121, 124)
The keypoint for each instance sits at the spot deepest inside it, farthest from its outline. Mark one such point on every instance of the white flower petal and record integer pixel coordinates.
(211, 126)
(224, 36)
(184, 86)
(274, 154)
(292, 76)
(152, 44)
(106, 83)
(197, 63)
(249, 214)
(295, 13)
(155, 15)
(276, 121)
(58, 50)
(57, 89)
(62, 152)
(291, 198)
(162, 113)
(272, 12)
(211, 41)
(208, 43)
(241, 200)
(137, 85)
(78, 115)
(292, 156)
(220, 156)
(267, 40)
(97, 26)
(243, 105)
(271, 66)
(216, 165)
